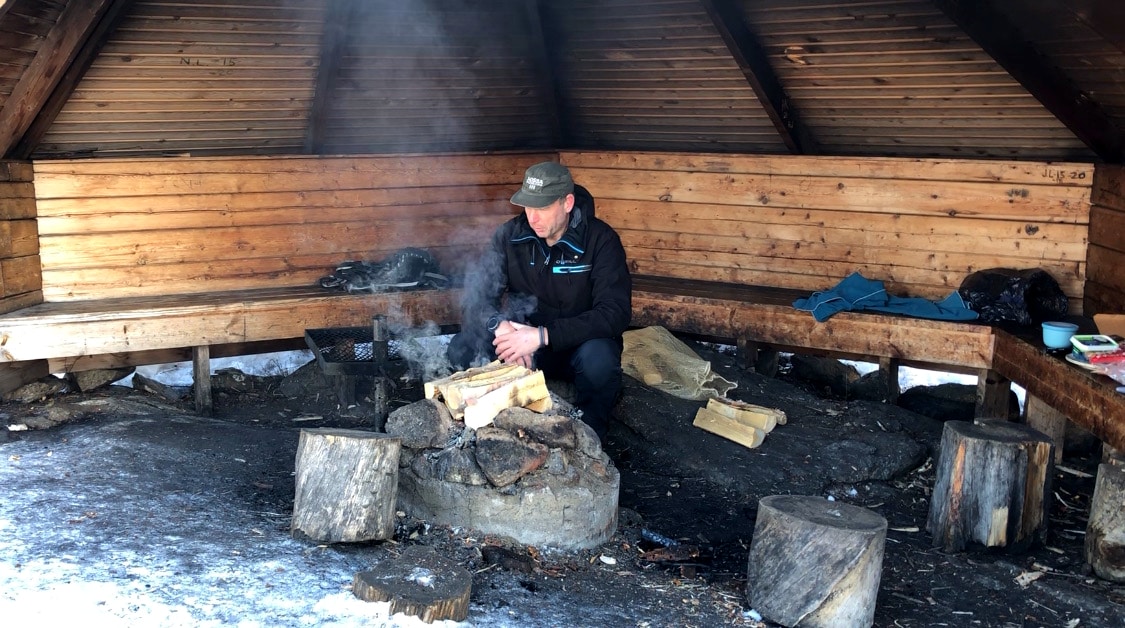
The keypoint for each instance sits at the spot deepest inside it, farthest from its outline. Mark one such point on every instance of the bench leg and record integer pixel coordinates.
(1049, 421)
(993, 391)
(201, 376)
(757, 357)
(889, 368)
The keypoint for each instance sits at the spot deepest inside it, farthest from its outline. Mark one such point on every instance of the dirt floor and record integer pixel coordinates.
(691, 493)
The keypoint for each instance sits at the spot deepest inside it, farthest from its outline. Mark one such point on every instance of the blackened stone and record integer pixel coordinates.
(948, 402)
(86, 381)
(450, 465)
(422, 424)
(232, 380)
(37, 390)
(550, 429)
(504, 458)
(826, 374)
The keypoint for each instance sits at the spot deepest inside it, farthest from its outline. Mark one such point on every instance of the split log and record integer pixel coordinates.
(477, 395)
(347, 485)
(418, 583)
(814, 562)
(1105, 530)
(992, 486)
(731, 429)
(527, 389)
(760, 417)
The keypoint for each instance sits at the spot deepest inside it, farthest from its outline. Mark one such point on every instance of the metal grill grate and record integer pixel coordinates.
(344, 350)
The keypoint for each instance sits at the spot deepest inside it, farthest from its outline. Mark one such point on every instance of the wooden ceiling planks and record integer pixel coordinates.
(467, 81)
(651, 74)
(207, 79)
(858, 72)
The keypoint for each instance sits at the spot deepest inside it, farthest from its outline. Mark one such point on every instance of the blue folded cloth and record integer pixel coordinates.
(856, 292)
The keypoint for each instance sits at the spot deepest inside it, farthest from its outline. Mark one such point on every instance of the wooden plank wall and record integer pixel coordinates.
(920, 225)
(145, 227)
(1105, 288)
(20, 279)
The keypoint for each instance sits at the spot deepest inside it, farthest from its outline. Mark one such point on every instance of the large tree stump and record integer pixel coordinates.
(1105, 530)
(418, 583)
(347, 484)
(814, 562)
(991, 487)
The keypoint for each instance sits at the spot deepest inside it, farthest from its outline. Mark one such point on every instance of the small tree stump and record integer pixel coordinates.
(814, 562)
(347, 484)
(419, 583)
(1105, 530)
(991, 486)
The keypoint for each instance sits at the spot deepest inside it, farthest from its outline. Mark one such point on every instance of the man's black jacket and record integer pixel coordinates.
(581, 285)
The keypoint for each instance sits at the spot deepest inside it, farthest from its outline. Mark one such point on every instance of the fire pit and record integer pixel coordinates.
(541, 479)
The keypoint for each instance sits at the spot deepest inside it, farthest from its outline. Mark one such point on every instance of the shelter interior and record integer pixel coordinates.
(177, 175)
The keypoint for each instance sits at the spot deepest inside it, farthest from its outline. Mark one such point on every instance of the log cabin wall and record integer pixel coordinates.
(20, 279)
(146, 227)
(1105, 288)
(920, 225)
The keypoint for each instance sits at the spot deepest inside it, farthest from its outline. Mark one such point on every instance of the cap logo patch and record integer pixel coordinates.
(534, 183)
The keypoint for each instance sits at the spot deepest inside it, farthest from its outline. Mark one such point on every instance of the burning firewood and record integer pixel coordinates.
(477, 395)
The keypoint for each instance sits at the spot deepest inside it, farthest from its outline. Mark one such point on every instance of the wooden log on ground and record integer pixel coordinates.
(347, 485)
(992, 486)
(418, 583)
(1105, 529)
(742, 433)
(814, 562)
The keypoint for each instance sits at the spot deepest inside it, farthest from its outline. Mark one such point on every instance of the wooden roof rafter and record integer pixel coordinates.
(754, 64)
(996, 34)
(334, 39)
(70, 36)
(83, 59)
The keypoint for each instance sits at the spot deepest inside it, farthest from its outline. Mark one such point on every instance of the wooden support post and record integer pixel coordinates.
(347, 485)
(1105, 529)
(814, 562)
(419, 583)
(992, 488)
(993, 392)
(201, 377)
(757, 357)
(889, 368)
(1049, 421)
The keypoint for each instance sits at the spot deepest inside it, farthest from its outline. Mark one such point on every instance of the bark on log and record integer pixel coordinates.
(993, 479)
(814, 562)
(418, 583)
(347, 485)
(1105, 530)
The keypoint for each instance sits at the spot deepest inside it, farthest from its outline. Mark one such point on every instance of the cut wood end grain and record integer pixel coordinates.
(477, 395)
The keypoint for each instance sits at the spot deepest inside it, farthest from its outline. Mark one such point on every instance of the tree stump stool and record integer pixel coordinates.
(347, 485)
(418, 583)
(1105, 530)
(814, 562)
(991, 487)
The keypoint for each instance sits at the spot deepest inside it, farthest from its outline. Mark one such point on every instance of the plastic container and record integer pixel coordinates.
(1056, 335)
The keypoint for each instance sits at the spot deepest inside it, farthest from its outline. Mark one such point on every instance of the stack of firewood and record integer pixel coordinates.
(477, 395)
(741, 422)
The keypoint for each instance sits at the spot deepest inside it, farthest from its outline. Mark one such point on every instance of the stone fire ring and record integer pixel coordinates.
(541, 480)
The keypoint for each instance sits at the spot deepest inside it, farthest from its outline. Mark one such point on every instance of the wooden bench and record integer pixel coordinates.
(139, 261)
(142, 261)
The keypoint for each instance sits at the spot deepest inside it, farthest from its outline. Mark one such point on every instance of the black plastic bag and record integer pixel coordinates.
(1007, 295)
(405, 269)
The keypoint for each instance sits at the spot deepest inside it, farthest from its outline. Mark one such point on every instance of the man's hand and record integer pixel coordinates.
(516, 343)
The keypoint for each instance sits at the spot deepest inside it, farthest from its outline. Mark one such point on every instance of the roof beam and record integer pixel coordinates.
(547, 66)
(339, 15)
(751, 59)
(993, 32)
(31, 139)
(61, 46)
(1105, 17)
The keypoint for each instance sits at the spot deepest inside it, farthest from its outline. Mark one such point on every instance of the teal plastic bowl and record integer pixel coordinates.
(1056, 335)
